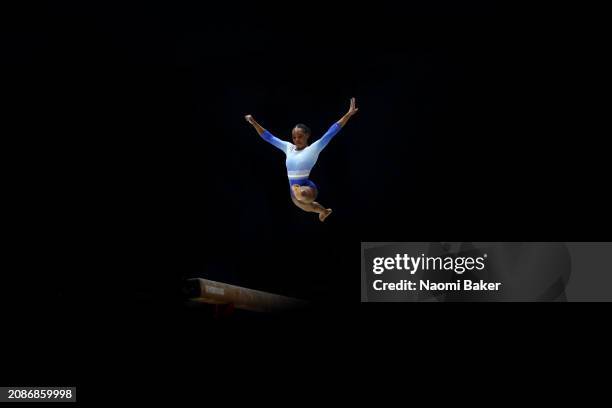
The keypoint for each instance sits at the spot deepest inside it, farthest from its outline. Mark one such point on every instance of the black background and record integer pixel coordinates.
(133, 167)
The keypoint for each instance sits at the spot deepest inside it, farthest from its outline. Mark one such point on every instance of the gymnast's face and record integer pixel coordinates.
(300, 138)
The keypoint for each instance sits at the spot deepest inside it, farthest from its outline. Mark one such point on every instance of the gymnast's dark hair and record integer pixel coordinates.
(305, 128)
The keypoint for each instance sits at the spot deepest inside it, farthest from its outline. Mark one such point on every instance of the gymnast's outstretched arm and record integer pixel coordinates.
(267, 136)
(335, 128)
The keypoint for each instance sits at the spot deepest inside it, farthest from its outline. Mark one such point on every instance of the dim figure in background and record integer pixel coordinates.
(301, 158)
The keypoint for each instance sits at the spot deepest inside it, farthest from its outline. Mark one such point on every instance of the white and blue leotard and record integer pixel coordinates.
(300, 162)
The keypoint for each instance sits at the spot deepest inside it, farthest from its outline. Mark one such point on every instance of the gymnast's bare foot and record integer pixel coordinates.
(324, 214)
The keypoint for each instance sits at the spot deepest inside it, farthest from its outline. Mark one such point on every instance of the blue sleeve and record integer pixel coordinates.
(275, 141)
(327, 137)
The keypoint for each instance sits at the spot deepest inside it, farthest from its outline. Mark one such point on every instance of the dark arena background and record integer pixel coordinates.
(135, 169)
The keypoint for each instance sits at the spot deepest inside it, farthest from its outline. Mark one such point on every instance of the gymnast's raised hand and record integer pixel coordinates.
(301, 158)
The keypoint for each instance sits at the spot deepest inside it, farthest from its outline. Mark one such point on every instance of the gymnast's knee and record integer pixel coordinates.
(307, 195)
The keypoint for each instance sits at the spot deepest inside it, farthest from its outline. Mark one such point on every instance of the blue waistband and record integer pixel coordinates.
(303, 182)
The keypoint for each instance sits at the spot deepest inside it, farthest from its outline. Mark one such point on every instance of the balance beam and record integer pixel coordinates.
(207, 291)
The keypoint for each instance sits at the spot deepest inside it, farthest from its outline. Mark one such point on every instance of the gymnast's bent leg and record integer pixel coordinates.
(303, 196)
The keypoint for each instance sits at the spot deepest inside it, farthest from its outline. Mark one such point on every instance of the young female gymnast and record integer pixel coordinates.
(301, 158)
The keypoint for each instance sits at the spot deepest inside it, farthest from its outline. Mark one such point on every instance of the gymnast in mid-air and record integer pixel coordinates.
(301, 158)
